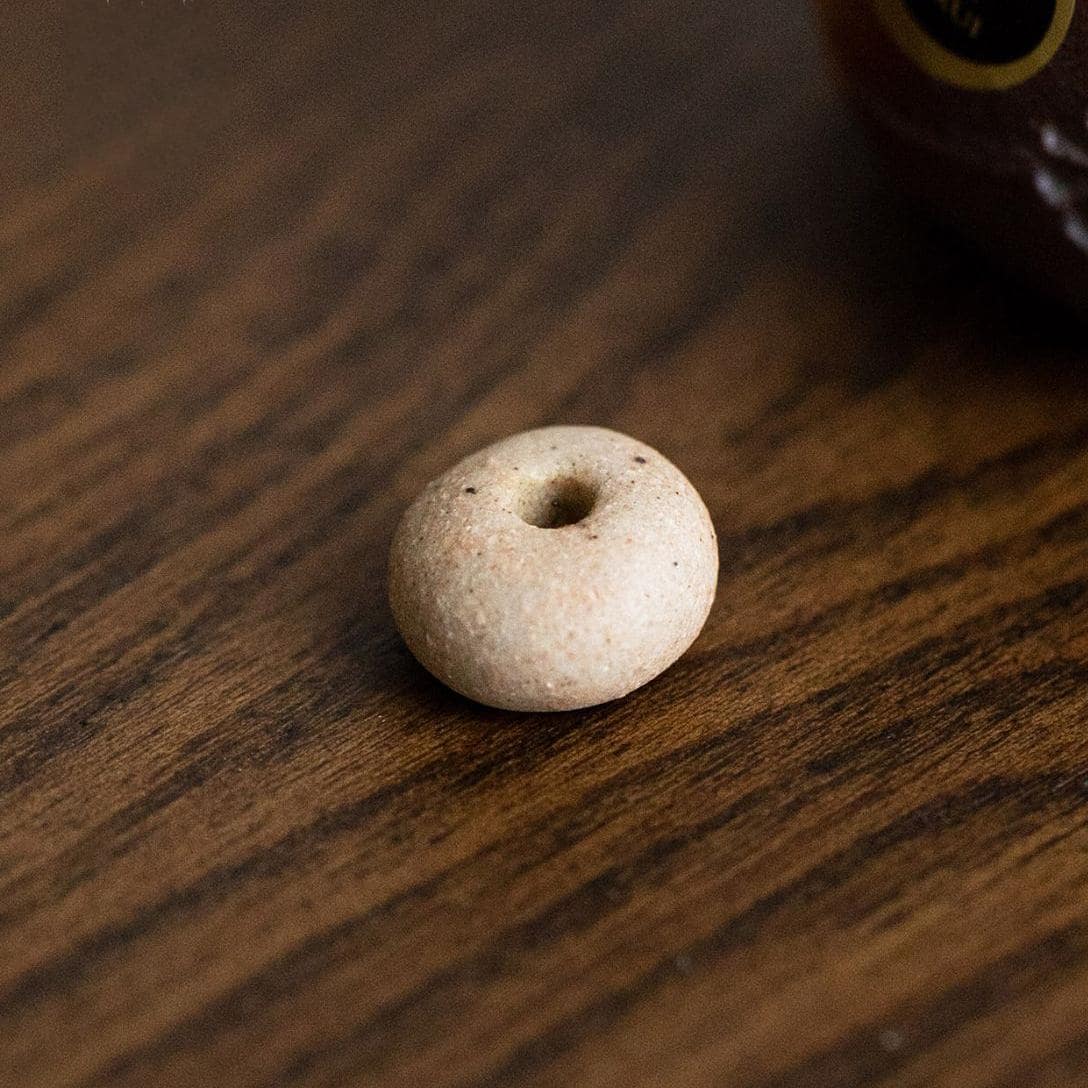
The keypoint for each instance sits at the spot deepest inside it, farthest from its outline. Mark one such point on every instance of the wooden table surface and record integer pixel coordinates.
(265, 269)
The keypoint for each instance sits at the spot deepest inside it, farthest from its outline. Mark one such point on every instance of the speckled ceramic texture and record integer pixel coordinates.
(557, 569)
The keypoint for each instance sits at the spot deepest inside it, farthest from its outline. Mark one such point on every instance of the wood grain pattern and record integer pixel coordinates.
(264, 270)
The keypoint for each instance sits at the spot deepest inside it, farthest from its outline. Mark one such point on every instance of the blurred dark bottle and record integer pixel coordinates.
(981, 107)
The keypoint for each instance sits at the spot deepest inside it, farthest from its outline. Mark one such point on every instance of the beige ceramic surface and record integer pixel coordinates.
(557, 569)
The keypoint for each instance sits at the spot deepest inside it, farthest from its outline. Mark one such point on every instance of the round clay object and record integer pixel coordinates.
(557, 569)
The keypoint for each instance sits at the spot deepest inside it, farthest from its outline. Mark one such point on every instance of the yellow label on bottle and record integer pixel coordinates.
(985, 45)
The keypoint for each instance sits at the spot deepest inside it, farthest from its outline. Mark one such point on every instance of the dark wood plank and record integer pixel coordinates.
(266, 269)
